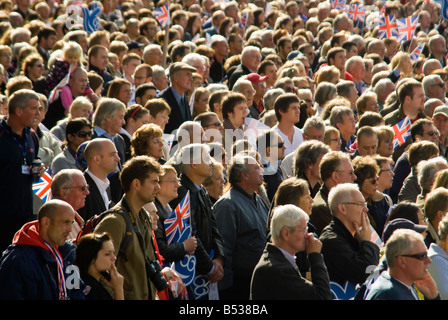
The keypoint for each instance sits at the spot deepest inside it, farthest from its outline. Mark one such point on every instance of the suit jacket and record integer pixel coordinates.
(275, 278)
(176, 118)
(94, 201)
(320, 212)
(239, 72)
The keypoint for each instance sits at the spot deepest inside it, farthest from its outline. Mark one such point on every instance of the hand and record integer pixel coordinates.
(116, 283)
(312, 244)
(365, 234)
(190, 245)
(427, 286)
(42, 169)
(218, 273)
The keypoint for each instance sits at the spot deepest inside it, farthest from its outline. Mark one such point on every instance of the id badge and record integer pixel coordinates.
(25, 169)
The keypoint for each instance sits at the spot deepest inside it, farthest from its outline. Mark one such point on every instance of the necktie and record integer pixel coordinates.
(184, 108)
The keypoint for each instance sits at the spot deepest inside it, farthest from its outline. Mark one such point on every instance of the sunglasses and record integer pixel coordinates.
(216, 124)
(374, 180)
(83, 188)
(419, 256)
(431, 133)
(83, 134)
(280, 145)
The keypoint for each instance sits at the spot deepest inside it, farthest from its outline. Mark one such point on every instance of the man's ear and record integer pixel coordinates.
(136, 184)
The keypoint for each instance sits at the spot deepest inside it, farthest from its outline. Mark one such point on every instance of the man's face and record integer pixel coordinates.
(78, 83)
(339, 61)
(430, 133)
(297, 238)
(271, 73)
(441, 123)
(30, 115)
(367, 145)
(417, 100)
(292, 114)
(237, 44)
(285, 49)
(77, 192)
(345, 172)
(49, 42)
(129, 68)
(114, 123)
(355, 209)
(100, 60)
(59, 229)
(238, 116)
(348, 126)
(148, 95)
(184, 78)
(109, 157)
(149, 187)
(253, 60)
(418, 269)
(254, 174)
(222, 49)
(140, 77)
(314, 133)
(277, 148)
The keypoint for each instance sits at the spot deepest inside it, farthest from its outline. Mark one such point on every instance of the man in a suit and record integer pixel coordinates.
(102, 159)
(181, 78)
(276, 275)
(250, 60)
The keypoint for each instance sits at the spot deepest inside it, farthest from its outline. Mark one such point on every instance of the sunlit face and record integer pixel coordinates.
(61, 226)
(105, 258)
(305, 202)
(161, 119)
(155, 147)
(238, 116)
(169, 184)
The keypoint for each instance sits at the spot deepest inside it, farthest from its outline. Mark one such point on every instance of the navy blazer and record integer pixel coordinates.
(176, 118)
(94, 201)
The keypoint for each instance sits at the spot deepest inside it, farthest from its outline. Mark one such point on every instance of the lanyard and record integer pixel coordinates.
(23, 147)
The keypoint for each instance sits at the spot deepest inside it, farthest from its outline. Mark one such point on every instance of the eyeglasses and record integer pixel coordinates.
(431, 133)
(305, 230)
(83, 134)
(374, 180)
(83, 188)
(174, 181)
(351, 172)
(385, 170)
(337, 140)
(361, 204)
(216, 124)
(280, 145)
(419, 256)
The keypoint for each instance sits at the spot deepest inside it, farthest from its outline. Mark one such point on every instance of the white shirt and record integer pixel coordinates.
(297, 139)
(102, 187)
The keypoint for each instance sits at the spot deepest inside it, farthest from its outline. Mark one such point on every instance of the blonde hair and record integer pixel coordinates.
(72, 50)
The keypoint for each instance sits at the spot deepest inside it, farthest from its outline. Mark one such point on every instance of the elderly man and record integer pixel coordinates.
(434, 87)
(276, 275)
(407, 261)
(250, 60)
(367, 142)
(437, 48)
(343, 119)
(70, 186)
(356, 67)
(38, 263)
(195, 165)
(153, 55)
(335, 168)
(346, 241)
(181, 77)
(241, 217)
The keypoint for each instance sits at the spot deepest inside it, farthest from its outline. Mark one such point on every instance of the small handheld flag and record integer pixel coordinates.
(42, 188)
(162, 14)
(402, 132)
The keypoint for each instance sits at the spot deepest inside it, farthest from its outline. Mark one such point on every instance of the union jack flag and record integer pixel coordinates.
(243, 21)
(387, 27)
(406, 28)
(417, 52)
(357, 12)
(54, 94)
(162, 14)
(176, 225)
(402, 132)
(42, 188)
(338, 4)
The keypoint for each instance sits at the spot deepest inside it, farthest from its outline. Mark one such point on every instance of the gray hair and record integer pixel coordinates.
(443, 228)
(107, 107)
(79, 102)
(286, 216)
(324, 91)
(429, 81)
(239, 165)
(307, 154)
(337, 115)
(270, 96)
(193, 59)
(20, 99)
(427, 171)
(239, 82)
(315, 122)
(61, 180)
(341, 193)
(400, 242)
(150, 48)
(194, 153)
(352, 61)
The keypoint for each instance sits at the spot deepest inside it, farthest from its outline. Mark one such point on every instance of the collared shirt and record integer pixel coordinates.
(289, 257)
(297, 139)
(102, 187)
(101, 132)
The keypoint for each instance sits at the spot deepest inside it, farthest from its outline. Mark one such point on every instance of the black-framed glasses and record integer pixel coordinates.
(83, 134)
(83, 188)
(280, 145)
(216, 124)
(419, 256)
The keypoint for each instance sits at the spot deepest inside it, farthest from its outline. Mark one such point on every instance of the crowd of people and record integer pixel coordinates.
(304, 153)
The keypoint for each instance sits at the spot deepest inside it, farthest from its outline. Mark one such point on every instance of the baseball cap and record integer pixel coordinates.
(255, 78)
(401, 223)
(176, 66)
(443, 110)
(135, 45)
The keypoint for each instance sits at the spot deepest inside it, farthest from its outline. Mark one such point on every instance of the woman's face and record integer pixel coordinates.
(155, 147)
(386, 176)
(335, 142)
(81, 136)
(36, 69)
(385, 148)
(216, 188)
(124, 95)
(105, 258)
(161, 119)
(169, 184)
(369, 187)
(201, 105)
(305, 202)
(83, 111)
